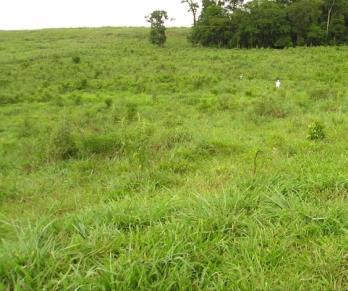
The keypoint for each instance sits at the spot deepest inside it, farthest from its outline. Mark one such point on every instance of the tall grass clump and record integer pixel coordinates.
(269, 108)
(62, 144)
(316, 131)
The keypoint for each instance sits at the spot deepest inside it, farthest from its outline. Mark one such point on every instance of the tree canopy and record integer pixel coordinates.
(158, 30)
(271, 23)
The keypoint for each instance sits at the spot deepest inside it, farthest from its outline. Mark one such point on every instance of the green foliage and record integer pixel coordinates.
(323, 94)
(62, 144)
(213, 27)
(76, 59)
(108, 102)
(275, 24)
(316, 131)
(132, 110)
(107, 145)
(269, 108)
(158, 30)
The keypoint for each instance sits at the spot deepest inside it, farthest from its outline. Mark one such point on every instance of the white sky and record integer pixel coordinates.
(32, 14)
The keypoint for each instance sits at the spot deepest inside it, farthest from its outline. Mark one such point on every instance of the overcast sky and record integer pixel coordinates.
(32, 14)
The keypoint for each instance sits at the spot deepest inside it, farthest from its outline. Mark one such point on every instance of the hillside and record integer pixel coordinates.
(126, 166)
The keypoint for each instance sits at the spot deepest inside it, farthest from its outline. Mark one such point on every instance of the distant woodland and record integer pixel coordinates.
(271, 24)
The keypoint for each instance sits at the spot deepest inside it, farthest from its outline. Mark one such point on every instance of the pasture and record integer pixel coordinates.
(125, 166)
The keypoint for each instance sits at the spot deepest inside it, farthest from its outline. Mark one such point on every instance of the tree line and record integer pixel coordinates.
(269, 23)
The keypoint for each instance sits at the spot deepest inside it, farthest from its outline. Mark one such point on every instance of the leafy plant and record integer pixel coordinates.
(108, 102)
(62, 144)
(316, 131)
(76, 59)
(158, 30)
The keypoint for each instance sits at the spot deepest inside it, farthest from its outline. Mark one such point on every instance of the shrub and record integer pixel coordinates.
(158, 30)
(269, 108)
(176, 165)
(108, 102)
(316, 131)
(62, 144)
(176, 136)
(205, 105)
(77, 99)
(214, 148)
(81, 84)
(199, 81)
(10, 99)
(26, 128)
(224, 103)
(109, 145)
(322, 94)
(132, 110)
(76, 60)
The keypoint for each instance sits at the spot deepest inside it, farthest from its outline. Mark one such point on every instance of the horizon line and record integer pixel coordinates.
(82, 27)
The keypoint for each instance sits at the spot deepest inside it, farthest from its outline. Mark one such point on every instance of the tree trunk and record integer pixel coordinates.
(329, 18)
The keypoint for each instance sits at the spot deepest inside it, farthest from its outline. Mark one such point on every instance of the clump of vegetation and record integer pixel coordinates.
(107, 145)
(81, 84)
(62, 145)
(108, 102)
(270, 108)
(158, 30)
(77, 99)
(76, 59)
(225, 102)
(27, 128)
(322, 94)
(131, 111)
(316, 131)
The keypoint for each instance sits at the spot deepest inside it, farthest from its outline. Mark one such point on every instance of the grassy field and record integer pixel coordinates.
(124, 166)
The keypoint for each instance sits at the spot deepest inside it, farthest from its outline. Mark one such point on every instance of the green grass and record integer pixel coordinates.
(124, 166)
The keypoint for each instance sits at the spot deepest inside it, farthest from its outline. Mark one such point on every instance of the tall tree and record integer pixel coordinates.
(193, 8)
(213, 25)
(271, 23)
(233, 5)
(304, 16)
(329, 12)
(158, 30)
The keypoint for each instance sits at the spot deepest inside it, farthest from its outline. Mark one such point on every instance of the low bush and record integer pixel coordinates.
(62, 145)
(323, 94)
(108, 102)
(316, 131)
(269, 108)
(76, 59)
(107, 145)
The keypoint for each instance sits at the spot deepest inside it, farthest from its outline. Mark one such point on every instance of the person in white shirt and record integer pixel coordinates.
(278, 84)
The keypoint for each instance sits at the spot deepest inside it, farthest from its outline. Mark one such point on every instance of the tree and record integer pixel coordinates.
(329, 12)
(336, 17)
(158, 30)
(304, 16)
(213, 26)
(233, 5)
(271, 23)
(193, 8)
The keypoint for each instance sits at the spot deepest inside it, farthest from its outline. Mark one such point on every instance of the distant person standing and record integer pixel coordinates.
(278, 84)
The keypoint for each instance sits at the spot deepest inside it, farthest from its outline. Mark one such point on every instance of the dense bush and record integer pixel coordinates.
(107, 145)
(158, 30)
(62, 144)
(316, 131)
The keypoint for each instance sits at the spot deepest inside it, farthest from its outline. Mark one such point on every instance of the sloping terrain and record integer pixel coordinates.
(125, 166)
